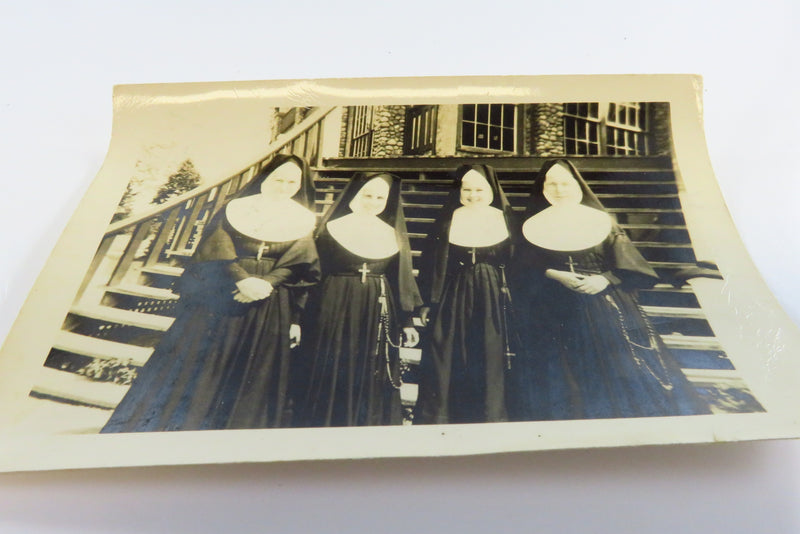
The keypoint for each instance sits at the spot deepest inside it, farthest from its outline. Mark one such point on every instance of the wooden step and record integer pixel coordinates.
(669, 296)
(68, 387)
(675, 341)
(670, 265)
(124, 317)
(661, 244)
(162, 269)
(136, 290)
(529, 165)
(714, 376)
(101, 348)
(591, 183)
(644, 210)
(636, 195)
(669, 288)
(422, 205)
(183, 253)
(674, 312)
(652, 226)
(504, 183)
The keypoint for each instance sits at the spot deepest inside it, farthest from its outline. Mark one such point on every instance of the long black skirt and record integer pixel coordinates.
(463, 369)
(596, 356)
(348, 380)
(214, 371)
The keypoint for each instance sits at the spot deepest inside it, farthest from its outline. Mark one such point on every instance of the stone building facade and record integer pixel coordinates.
(496, 130)
(543, 130)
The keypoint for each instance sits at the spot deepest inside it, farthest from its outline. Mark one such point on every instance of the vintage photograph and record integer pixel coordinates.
(443, 261)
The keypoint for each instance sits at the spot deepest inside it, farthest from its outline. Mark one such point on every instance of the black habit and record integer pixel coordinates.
(350, 373)
(464, 363)
(590, 356)
(225, 364)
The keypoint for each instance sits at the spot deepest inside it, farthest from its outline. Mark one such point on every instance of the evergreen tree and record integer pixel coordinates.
(125, 204)
(184, 179)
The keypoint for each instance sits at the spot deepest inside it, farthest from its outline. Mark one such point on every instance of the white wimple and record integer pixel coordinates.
(567, 228)
(477, 226)
(276, 221)
(364, 235)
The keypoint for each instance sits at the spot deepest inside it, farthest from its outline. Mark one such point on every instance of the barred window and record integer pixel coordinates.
(490, 127)
(359, 131)
(615, 128)
(420, 129)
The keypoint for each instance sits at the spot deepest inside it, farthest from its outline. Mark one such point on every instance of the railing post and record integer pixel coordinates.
(99, 256)
(163, 235)
(129, 255)
(188, 229)
(222, 196)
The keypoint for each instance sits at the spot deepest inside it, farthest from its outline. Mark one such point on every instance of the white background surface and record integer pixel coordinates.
(58, 64)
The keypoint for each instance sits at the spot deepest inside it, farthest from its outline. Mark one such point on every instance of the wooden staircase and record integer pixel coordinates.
(125, 319)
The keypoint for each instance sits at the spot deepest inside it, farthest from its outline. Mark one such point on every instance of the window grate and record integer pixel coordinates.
(361, 129)
(420, 129)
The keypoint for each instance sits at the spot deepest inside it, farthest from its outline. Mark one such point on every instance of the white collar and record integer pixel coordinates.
(270, 220)
(364, 235)
(567, 228)
(477, 226)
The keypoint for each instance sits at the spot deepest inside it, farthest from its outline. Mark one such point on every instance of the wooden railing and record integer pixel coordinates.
(172, 229)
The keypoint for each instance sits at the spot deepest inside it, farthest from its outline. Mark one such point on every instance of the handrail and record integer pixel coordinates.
(276, 146)
(174, 228)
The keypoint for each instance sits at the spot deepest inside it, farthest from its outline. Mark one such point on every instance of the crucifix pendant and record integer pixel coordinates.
(571, 265)
(473, 255)
(364, 271)
(261, 250)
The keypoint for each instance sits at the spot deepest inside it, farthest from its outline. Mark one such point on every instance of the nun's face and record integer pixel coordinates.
(475, 190)
(560, 187)
(371, 198)
(283, 182)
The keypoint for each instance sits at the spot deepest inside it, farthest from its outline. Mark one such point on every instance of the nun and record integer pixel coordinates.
(463, 273)
(225, 362)
(361, 313)
(592, 352)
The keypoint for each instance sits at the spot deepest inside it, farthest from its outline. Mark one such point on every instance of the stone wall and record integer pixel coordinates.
(660, 129)
(388, 125)
(542, 130)
(546, 134)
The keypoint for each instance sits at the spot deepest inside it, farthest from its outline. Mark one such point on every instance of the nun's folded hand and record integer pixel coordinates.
(425, 315)
(568, 279)
(411, 336)
(592, 284)
(295, 335)
(252, 289)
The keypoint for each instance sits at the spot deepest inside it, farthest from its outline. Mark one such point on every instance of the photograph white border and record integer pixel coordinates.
(756, 334)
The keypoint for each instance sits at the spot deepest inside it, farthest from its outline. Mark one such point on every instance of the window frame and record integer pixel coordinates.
(482, 150)
(607, 127)
(427, 137)
(351, 139)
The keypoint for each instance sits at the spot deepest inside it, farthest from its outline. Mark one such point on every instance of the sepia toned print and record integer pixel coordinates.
(560, 279)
